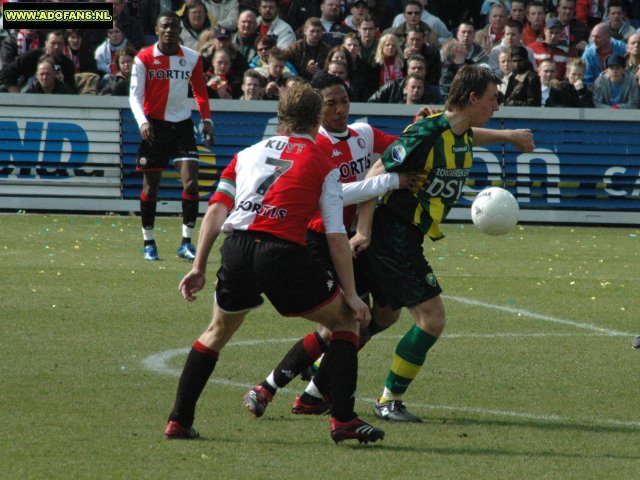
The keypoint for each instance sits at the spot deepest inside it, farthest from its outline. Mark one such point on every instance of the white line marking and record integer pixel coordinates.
(538, 316)
(160, 363)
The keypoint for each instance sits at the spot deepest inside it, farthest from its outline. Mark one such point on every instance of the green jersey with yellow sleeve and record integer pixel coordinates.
(429, 146)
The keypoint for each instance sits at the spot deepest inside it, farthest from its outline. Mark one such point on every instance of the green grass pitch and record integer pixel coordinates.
(535, 376)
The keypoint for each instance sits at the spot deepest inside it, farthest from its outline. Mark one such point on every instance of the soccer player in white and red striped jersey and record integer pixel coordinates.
(264, 202)
(353, 149)
(160, 81)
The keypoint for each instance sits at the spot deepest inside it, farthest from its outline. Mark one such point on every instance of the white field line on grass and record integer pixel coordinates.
(160, 362)
(539, 316)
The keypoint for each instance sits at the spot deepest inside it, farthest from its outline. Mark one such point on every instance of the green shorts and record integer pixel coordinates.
(403, 277)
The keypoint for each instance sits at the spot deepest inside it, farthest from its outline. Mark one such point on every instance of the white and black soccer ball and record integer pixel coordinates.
(495, 211)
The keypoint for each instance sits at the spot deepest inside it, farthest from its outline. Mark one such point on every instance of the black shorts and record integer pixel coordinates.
(403, 277)
(172, 141)
(255, 262)
(319, 251)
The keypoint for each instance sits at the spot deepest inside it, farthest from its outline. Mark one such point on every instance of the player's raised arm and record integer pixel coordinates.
(521, 138)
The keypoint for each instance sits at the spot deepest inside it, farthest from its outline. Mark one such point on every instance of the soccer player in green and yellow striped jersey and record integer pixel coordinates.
(440, 147)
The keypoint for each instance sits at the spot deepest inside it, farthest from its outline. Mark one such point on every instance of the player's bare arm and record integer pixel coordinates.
(521, 139)
(207, 132)
(195, 280)
(361, 240)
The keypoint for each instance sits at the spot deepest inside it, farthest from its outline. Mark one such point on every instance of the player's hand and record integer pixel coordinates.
(412, 181)
(359, 243)
(191, 284)
(522, 139)
(361, 312)
(426, 111)
(146, 132)
(207, 134)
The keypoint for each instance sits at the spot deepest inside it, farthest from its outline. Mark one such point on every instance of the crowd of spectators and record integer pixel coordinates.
(553, 53)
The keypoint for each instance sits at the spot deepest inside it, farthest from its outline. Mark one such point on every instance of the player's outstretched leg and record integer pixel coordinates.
(300, 356)
(201, 362)
(342, 364)
(196, 372)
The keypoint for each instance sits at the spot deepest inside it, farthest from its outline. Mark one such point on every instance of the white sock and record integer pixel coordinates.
(187, 232)
(313, 390)
(148, 234)
(271, 381)
(389, 395)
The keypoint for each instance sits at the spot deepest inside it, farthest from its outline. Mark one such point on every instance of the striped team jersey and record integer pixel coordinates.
(160, 85)
(277, 185)
(429, 145)
(353, 156)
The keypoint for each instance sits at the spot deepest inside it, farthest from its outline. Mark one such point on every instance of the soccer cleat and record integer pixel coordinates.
(257, 400)
(175, 431)
(354, 429)
(151, 252)
(303, 408)
(394, 411)
(187, 251)
(636, 342)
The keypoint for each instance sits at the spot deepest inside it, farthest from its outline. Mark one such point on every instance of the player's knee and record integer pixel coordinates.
(324, 332)
(191, 187)
(433, 325)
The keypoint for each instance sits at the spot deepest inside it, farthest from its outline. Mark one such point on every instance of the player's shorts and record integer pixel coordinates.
(403, 277)
(319, 251)
(256, 262)
(172, 141)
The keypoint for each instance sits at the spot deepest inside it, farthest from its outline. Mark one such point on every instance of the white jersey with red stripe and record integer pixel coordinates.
(278, 185)
(160, 85)
(353, 155)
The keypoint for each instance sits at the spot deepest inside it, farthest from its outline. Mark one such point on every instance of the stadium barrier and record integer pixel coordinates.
(77, 153)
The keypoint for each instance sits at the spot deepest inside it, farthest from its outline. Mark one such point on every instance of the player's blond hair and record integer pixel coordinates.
(299, 109)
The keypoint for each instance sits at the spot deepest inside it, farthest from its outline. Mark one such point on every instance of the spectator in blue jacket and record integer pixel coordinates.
(603, 45)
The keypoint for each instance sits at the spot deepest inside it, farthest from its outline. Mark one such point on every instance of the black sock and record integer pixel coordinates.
(190, 204)
(196, 372)
(342, 365)
(302, 355)
(148, 211)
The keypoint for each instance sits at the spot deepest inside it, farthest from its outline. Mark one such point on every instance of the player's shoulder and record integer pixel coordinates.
(361, 128)
(190, 54)
(146, 53)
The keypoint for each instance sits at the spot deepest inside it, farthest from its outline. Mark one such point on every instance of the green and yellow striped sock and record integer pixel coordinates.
(409, 357)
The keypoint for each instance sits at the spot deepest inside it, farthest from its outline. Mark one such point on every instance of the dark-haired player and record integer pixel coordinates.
(353, 149)
(160, 81)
